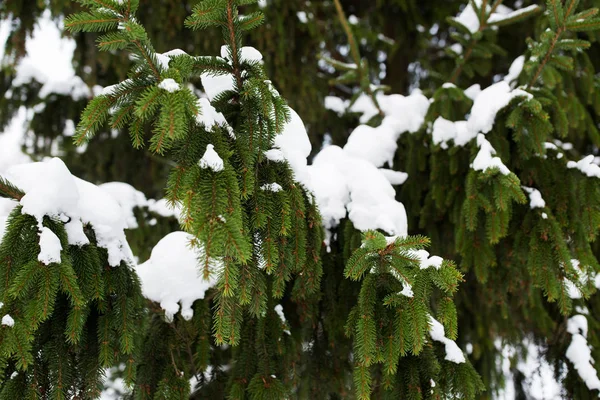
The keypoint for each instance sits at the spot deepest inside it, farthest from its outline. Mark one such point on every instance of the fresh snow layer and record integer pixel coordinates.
(515, 69)
(211, 159)
(394, 177)
(169, 85)
(485, 158)
(128, 198)
(336, 104)
(579, 352)
(7, 320)
(215, 84)
(279, 311)
(11, 141)
(537, 377)
(272, 187)
(535, 198)
(50, 247)
(586, 166)
(438, 333)
(294, 145)
(208, 115)
(171, 276)
(425, 260)
(347, 181)
(469, 18)
(346, 185)
(51, 190)
(487, 103)
(497, 17)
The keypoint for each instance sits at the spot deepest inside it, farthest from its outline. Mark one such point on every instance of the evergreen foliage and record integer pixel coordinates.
(248, 211)
(513, 201)
(66, 321)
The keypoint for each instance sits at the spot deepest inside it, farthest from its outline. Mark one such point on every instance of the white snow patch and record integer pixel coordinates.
(515, 69)
(169, 85)
(485, 158)
(211, 159)
(171, 277)
(496, 17)
(128, 198)
(50, 247)
(295, 145)
(336, 104)
(394, 177)
(7, 320)
(586, 166)
(425, 260)
(271, 187)
(49, 61)
(209, 116)
(437, 332)
(51, 190)
(11, 141)
(535, 198)
(489, 102)
(579, 352)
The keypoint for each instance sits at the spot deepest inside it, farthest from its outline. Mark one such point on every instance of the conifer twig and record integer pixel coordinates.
(362, 74)
(535, 77)
(234, 51)
(482, 25)
(10, 191)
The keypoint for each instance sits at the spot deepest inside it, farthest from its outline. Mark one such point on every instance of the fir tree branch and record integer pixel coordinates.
(362, 74)
(537, 74)
(237, 73)
(10, 191)
(482, 26)
(148, 59)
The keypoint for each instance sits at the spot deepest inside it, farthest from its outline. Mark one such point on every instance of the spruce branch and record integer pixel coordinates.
(562, 21)
(483, 24)
(363, 74)
(237, 73)
(10, 191)
(540, 68)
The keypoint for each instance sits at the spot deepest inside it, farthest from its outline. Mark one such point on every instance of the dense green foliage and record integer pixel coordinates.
(70, 318)
(352, 333)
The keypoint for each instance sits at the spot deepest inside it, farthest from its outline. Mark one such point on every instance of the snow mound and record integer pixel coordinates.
(453, 352)
(579, 352)
(171, 276)
(211, 159)
(128, 198)
(487, 103)
(51, 190)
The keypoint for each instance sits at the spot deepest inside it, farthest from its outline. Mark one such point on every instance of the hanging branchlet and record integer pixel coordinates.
(391, 319)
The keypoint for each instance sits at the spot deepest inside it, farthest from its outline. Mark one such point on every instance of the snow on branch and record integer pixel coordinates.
(453, 352)
(579, 352)
(51, 191)
(171, 276)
